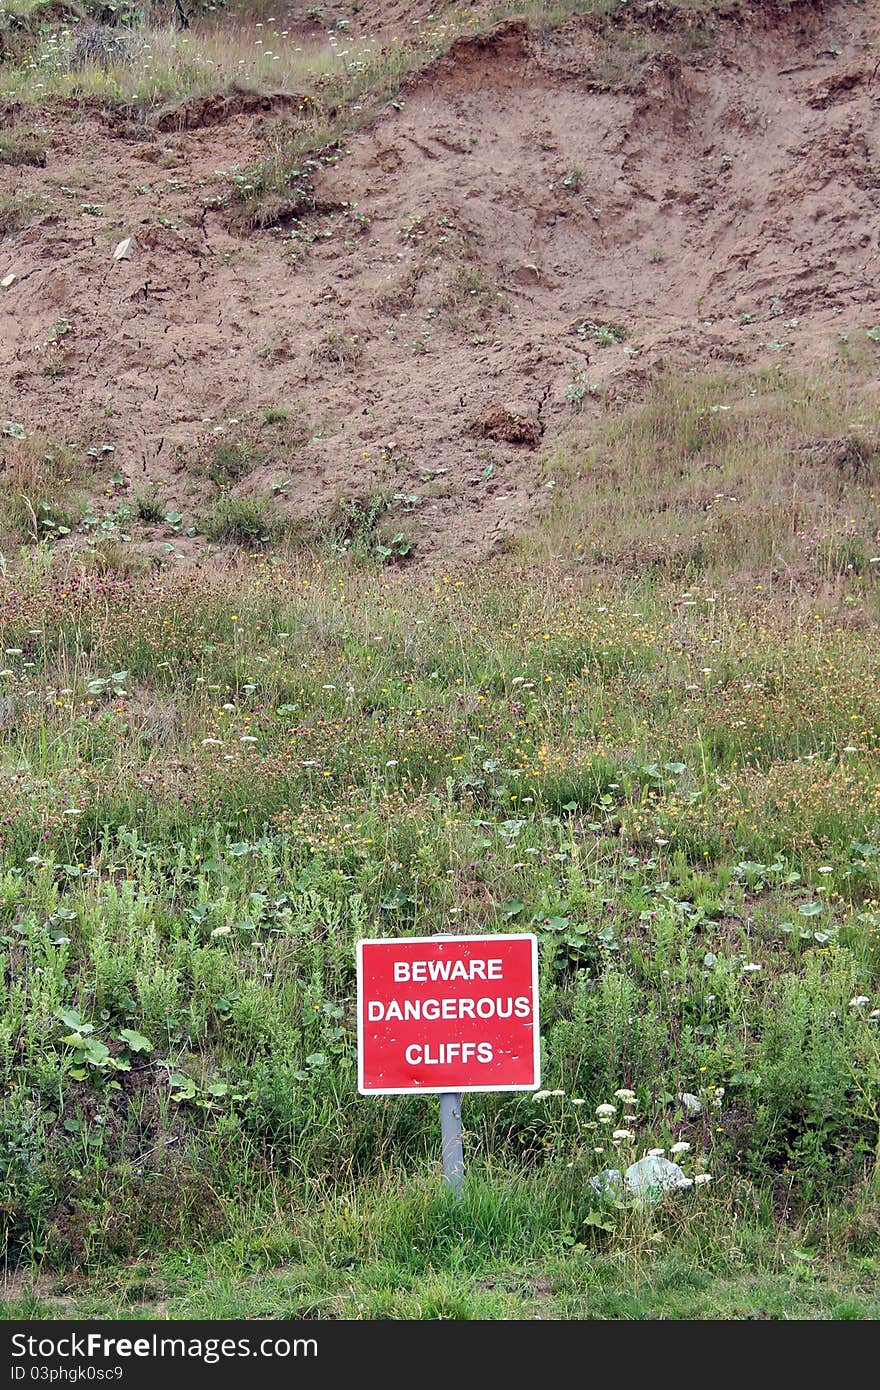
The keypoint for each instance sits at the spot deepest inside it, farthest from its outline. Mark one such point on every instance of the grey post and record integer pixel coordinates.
(450, 1138)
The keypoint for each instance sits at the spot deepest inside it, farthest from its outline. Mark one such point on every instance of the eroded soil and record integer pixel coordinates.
(534, 215)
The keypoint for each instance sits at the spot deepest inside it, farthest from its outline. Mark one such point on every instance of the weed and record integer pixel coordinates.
(18, 210)
(242, 521)
(602, 334)
(232, 460)
(148, 506)
(339, 349)
(579, 388)
(353, 523)
(470, 286)
(23, 147)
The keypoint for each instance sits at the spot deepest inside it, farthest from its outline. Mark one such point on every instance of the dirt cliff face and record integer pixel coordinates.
(537, 224)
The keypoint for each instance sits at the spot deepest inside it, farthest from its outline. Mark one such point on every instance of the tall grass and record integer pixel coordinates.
(167, 63)
(714, 474)
(210, 792)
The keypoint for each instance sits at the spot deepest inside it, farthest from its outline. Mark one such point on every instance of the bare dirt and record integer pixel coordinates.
(535, 214)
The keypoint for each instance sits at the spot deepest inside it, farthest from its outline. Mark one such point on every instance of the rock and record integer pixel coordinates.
(609, 1183)
(650, 1178)
(122, 250)
(7, 281)
(691, 1103)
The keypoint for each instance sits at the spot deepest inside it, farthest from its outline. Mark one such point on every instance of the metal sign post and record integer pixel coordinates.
(450, 1140)
(446, 1015)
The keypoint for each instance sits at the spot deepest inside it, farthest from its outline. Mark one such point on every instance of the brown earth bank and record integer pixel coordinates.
(540, 219)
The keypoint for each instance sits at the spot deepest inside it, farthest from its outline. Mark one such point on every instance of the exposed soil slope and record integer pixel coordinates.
(535, 214)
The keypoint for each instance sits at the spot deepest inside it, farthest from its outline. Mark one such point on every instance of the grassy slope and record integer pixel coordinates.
(209, 796)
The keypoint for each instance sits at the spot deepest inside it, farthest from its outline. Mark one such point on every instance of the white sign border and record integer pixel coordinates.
(445, 1090)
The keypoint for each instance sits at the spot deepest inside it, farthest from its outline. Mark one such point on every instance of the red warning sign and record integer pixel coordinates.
(448, 1013)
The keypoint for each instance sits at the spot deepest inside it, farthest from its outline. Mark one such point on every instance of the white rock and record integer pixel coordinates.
(608, 1183)
(651, 1177)
(123, 249)
(692, 1104)
(7, 281)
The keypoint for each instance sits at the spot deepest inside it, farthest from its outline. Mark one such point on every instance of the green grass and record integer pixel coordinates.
(171, 65)
(504, 1251)
(39, 486)
(771, 472)
(243, 521)
(213, 788)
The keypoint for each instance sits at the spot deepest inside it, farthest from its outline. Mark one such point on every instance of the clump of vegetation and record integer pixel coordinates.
(103, 46)
(710, 474)
(230, 461)
(38, 485)
(469, 286)
(361, 527)
(232, 450)
(602, 334)
(246, 521)
(148, 506)
(18, 210)
(22, 147)
(339, 349)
